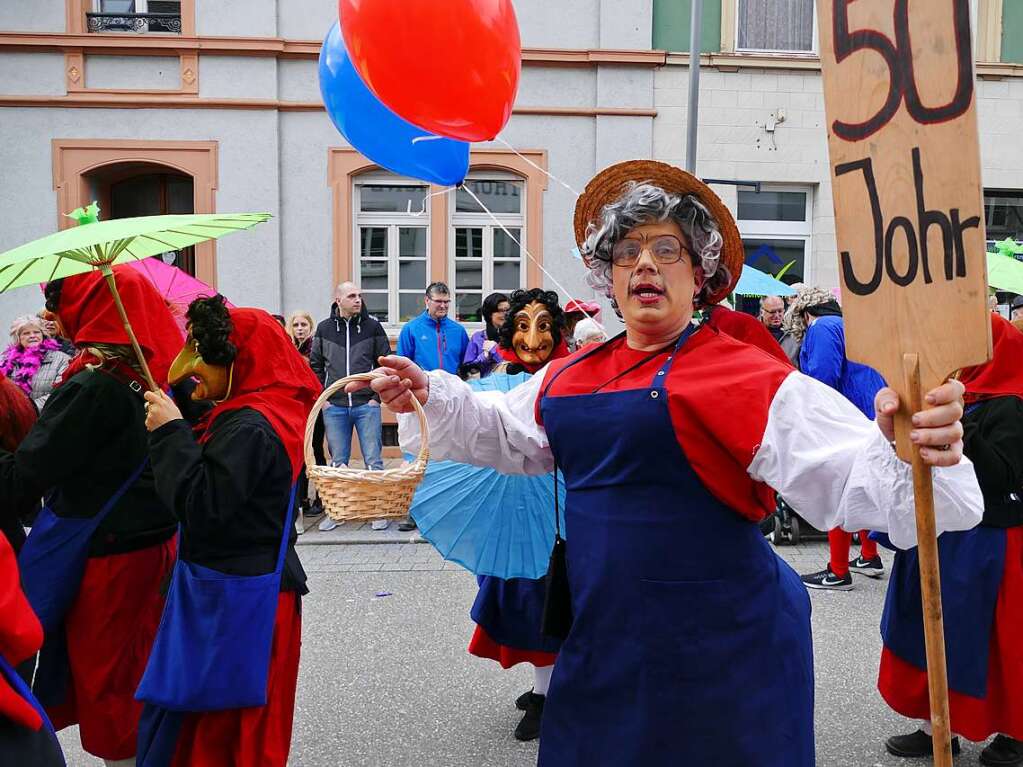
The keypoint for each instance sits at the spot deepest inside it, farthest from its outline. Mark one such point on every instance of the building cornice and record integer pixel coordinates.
(157, 44)
(150, 99)
(733, 62)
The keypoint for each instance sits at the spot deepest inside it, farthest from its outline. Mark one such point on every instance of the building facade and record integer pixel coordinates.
(169, 106)
(762, 120)
(161, 106)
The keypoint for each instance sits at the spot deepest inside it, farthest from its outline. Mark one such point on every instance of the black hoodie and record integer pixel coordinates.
(344, 347)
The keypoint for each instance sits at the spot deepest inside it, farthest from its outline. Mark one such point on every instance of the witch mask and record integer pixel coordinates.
(213, 381)
(533, 335)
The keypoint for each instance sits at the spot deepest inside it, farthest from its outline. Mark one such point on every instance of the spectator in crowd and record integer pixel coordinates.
(575, 312)
(280, 320)
(433, 340)
(300, 328)
(1016, 308)
(589, 331)
(52, 329)
(33, 361)
(817, 314)
(772, 314)
(350, 342)
(481, 354)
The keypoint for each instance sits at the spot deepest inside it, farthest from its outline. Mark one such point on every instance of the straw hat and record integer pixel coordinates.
(608, 185)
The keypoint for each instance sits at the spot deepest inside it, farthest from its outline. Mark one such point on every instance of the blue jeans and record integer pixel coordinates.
(339, 420)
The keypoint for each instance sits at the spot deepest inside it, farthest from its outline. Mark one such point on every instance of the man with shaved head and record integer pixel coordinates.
(349, 342)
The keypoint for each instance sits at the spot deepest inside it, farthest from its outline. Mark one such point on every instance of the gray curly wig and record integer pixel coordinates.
(795, 316)
(645, 203)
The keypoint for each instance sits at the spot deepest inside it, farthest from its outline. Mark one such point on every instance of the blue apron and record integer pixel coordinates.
(972, 567)
(212, 650)
(511, 612)
(43, 747)
(682, 651)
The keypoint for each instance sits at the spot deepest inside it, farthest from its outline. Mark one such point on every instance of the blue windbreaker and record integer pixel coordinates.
(823, 357)
(433, 344)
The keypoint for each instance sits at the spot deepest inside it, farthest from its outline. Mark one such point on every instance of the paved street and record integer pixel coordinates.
(386, 681)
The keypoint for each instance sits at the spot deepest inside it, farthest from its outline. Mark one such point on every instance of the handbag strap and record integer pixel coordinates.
(112, 500)
(287, 530)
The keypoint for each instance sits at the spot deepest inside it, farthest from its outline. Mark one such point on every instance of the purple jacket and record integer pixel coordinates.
(474, 354)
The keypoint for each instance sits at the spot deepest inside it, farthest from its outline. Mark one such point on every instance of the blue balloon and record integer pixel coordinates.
(379, 133)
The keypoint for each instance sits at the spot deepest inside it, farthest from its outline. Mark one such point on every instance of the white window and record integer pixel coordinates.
(776, 228)
(135, 16)
(391, 246)
(482, 257)
(776, 25)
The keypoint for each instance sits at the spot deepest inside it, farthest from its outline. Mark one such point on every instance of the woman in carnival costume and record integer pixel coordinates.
(98, 552)
(220, 683)
(981, 582)
(704, 658)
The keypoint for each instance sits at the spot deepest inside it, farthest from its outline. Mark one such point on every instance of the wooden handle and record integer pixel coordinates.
(930, 580)
(310, 424)
(108, 275)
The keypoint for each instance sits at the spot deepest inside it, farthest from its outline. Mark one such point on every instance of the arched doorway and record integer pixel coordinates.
(129, 189)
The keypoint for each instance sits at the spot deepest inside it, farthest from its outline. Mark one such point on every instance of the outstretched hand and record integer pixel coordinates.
(937, 431)
(401, 380)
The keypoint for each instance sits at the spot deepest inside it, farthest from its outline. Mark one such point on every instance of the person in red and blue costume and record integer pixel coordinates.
(26, 734)
(221, 679)
(98, 552)
(981, 582)
(700, 655)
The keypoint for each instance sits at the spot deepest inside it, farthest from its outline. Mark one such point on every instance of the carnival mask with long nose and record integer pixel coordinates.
(533, 335)
(213, 382)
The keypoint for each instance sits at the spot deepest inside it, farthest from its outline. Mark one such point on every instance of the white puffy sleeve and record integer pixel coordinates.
(835, 467)
(489, 428)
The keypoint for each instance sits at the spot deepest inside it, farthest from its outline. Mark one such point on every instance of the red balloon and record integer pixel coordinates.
(450, 67)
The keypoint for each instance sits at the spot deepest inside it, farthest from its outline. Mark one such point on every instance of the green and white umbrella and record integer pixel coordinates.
(101, 245)
(1004, 270)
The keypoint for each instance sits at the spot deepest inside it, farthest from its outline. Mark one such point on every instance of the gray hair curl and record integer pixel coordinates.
(644, 203)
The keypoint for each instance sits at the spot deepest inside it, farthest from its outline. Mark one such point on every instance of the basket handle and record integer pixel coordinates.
(310, 424)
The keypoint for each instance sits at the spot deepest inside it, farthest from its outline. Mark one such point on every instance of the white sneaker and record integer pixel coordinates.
(381, 524)
(327, 524)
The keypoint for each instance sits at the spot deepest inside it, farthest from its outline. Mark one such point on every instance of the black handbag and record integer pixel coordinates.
(557, 603)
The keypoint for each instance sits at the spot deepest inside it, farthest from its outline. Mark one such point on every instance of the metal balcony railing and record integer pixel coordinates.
(134, 22)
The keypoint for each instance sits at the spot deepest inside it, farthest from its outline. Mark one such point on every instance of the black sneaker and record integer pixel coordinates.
(529, 727)
(872, 568)
(1003, 751)
(522, 702)
(314, 509)
(826, 579)
(407, 524)
(915, 745)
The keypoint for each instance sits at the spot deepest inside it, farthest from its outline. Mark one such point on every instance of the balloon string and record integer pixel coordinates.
(522, 247)
(538, 167)
(422, 211)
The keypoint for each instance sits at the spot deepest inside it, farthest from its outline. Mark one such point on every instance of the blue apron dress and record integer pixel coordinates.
(19, 745)
(971, 571)
(52, 563)
(682, 651)
(212, 651)
(511, 612)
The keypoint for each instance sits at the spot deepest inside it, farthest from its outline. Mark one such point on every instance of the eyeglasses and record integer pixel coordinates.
(665, 249)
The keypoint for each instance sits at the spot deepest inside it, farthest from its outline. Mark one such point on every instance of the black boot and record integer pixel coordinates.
(529, 727)
(915, 745)
(522, 701)
(1003, 751)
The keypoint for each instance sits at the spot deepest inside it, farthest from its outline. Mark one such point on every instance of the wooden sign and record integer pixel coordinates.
(909, 218)
(905, 170)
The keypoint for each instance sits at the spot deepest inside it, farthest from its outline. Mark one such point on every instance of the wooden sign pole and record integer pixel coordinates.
(905, 169)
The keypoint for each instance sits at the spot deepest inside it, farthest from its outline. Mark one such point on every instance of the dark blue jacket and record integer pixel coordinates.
(433, 344)
(823, 357)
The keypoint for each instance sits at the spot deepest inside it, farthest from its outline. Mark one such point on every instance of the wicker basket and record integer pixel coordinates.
(361, 493)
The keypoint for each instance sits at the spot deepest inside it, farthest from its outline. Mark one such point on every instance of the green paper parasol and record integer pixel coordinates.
(1004, 270)
(103, 244)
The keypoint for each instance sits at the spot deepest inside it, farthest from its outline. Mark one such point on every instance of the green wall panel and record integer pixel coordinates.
(1012, 31)
(671, 25)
